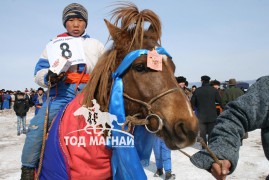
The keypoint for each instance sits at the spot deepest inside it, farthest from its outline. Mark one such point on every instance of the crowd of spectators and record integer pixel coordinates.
(21, 102)
(209, 100)
(8, 97)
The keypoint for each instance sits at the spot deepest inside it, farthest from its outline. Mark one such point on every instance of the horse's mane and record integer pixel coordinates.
(131, 22)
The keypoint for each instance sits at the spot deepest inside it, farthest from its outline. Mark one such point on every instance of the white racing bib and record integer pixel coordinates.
(70, 48)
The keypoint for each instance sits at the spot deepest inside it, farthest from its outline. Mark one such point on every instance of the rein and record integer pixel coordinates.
(133, 120)
(201, 141)
(45, 131)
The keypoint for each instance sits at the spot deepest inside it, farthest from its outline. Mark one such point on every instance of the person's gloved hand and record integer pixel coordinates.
(54, 78)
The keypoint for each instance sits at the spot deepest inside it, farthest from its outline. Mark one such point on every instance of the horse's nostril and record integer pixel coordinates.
(180, 129)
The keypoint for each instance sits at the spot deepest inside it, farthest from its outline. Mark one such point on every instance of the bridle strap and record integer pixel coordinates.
(148, 104)
(163, 94)
(133, 120)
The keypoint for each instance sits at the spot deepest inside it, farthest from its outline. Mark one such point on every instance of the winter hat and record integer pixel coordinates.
(232, 82)
(40, 88)
(215, 82)
(181, 79)
(205, 78)
(75, 10)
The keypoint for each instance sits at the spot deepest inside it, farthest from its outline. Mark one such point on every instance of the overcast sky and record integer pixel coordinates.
(220, 38)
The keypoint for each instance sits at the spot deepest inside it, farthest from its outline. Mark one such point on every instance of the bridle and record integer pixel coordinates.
(116, 98)
(148, 106)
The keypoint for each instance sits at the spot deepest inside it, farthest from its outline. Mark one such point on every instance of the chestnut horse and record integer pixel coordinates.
(148, 94)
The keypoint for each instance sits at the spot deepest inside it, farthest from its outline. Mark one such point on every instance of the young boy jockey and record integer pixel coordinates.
(82, 52)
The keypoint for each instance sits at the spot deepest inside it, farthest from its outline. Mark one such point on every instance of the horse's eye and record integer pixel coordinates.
(139, 67)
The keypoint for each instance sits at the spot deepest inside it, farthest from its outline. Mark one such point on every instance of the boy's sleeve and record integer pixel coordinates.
(41, 70)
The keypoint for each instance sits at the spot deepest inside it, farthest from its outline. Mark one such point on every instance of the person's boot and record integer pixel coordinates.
(27, 173)
(158, 173)
(170, 176)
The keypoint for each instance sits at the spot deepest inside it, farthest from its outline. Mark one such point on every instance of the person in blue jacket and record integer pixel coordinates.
(38, 99)
(74, 46)
(6, 100)
(1, 98)
(163, 159)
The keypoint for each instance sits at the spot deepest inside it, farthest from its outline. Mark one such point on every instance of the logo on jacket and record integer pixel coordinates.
(99, 127)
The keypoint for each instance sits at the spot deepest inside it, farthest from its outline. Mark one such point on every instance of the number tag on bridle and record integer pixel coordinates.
(154, 60)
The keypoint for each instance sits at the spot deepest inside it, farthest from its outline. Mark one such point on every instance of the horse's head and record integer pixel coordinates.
(146, 91)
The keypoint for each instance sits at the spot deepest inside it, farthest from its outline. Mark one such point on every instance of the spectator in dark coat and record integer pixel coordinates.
(231, 93)
(21, 107)
(183, 83)
(216, 84)
(204, 100)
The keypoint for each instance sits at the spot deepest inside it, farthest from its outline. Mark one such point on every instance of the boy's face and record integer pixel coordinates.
(75, 26)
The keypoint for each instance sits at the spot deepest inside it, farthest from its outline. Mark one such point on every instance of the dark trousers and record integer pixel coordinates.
(205, 129)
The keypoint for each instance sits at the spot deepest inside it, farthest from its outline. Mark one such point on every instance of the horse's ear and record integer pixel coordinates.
(114, 31)
(151, 29)
(153, 34)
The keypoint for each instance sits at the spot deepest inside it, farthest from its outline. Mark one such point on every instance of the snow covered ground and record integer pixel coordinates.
(252, 163)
